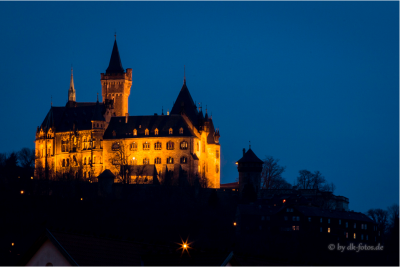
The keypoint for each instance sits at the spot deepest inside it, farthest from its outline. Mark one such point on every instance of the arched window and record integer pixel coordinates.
(84, 143)
(146, 132)
(64, 144)
(217, 154)
(217, 168)
(115, 146)
(183, 160)
(170, 145)
(184, 145)
(145, 161)
(181, 130)
(134, 132)
(156, 131)
(157, 160)
(170, 131)
(157, 145)
(67, 163)
(63, 162)
(134, 146)
(146, 146)
(170, 160)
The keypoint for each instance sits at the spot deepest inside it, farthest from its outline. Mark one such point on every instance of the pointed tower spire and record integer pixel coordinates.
(115, 65)
(71, 91)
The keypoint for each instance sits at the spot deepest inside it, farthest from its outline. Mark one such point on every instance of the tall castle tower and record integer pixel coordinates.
(116, 83)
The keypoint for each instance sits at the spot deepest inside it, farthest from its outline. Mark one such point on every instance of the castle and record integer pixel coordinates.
(82, 139)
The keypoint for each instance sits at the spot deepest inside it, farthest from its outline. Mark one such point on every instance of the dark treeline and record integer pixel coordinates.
(19, 164)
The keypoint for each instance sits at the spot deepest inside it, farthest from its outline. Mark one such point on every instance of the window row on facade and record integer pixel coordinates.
(74, 163)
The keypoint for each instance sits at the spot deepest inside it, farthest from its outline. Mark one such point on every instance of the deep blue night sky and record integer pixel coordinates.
(314, 84)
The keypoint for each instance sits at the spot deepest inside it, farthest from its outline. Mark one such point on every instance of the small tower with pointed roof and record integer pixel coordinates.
(116, 83)
(71, 90)
(249, 167)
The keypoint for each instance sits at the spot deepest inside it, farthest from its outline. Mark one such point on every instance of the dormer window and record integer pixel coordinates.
(146, 132)
(181, 130)
(134, 132)
(156, 131)
(170, 131)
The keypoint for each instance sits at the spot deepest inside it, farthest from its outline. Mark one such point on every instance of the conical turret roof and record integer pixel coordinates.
(115, 65)
(185, 99)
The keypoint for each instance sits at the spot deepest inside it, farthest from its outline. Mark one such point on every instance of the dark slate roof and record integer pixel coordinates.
(230, 185)
(210, 136)
(106, 174)
(161, 122)
(185, 101)
(194, 156)
(63, 118)
(115, 65)
(314, 211)
(249, 156)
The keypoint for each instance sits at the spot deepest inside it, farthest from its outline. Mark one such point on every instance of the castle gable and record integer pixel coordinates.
(125, 129)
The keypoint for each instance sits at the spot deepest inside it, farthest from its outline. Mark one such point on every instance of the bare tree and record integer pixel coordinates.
(271, 175)
(379, 216)
(120, 161)
(393, 214)
(318, 180)
(305, 180)
(26, 158)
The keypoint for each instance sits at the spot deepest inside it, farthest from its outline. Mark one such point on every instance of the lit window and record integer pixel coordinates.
(283, 201)
(156, 131)
(170, 145)
(170, 160)
(329, 230)
(146, 146)
(217, 154)
(170, 131)
(293, 228)
(347, 235)
(157, 145)
(217, 168)
(146, 132)
(181, 131)
(134, 146)
(145, 161)
(297, 228)
(134, 132)
(183, 159)
(354, 235)
(157, 160)
(184, 145)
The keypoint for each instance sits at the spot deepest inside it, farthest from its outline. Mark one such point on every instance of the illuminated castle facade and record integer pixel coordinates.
(82, 139)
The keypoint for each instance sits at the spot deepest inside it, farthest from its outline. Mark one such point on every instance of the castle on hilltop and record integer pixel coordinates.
(82, 139)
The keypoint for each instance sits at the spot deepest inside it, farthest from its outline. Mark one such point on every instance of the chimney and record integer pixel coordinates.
(126, 117)
(244, 151)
